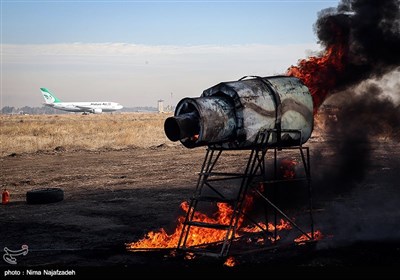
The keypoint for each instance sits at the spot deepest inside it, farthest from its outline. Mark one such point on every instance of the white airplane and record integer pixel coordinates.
(85, 107)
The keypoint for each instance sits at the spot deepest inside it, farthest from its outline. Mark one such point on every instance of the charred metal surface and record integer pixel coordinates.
(260, 110)
(230, 114)
(211, 120)
(293, 105)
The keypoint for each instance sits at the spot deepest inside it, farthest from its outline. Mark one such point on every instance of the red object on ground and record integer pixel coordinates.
(5, 197)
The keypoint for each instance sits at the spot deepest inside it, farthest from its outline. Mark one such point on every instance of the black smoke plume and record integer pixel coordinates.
(367, 35)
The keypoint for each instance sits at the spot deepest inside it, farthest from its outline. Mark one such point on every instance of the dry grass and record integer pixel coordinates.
(28, 134)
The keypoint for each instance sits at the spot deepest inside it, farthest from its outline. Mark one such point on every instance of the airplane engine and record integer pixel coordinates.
(231, 114)
(96, 111)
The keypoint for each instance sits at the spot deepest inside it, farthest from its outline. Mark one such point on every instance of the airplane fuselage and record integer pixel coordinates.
(94, 107)
(86, 107)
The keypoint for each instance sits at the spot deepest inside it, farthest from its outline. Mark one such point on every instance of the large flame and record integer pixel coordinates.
(201, 235)
(320, 73)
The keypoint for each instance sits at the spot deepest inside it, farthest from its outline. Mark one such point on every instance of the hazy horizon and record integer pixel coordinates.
(135, 52)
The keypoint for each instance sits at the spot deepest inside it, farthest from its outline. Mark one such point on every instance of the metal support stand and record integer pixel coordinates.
(210, 188)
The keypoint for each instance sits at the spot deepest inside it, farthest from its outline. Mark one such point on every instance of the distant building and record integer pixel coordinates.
(160, 106)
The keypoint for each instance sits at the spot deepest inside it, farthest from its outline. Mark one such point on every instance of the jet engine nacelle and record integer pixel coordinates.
(231, 114)
(96, 111)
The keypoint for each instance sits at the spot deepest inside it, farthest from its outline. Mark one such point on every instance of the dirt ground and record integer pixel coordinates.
(113, 197)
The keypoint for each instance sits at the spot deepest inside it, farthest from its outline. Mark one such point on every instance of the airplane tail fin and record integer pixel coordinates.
(48, 96)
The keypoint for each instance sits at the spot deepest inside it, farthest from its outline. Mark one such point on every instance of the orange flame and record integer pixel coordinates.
(320, 74)
(200, 235)
(301, 239)
(197, 235)
(281, 226)
(230, 262)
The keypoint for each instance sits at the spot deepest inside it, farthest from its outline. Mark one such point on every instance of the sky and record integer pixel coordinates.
(137, 52)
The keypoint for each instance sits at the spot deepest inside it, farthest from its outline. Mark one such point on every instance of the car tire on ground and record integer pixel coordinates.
(42, 196)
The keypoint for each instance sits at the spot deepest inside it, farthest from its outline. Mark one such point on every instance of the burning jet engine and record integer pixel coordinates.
(230, 114)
